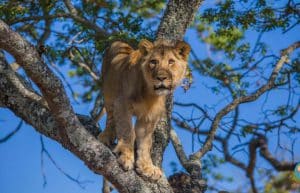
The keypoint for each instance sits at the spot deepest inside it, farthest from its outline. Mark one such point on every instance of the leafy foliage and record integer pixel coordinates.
(236, 64)
(283, 183)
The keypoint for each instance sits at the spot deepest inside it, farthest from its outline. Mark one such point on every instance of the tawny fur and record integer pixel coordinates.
(136, 83)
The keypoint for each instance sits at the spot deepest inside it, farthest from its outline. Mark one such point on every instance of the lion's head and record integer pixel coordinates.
(163, 64)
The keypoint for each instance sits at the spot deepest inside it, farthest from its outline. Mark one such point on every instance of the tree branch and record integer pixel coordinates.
(59, 114)
(71, 133)
(82, 65)
(270, 84)
(178, 16)
(8, 136)
(265, 153)
(44, 151)
(258, 142)
(178, 147)
(75, 15)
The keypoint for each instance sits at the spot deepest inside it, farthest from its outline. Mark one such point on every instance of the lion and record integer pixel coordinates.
(136, 83)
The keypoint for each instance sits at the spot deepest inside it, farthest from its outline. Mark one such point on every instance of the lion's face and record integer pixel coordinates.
(164, 65)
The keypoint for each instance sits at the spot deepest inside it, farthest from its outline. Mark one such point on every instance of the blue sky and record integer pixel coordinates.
(20, 161)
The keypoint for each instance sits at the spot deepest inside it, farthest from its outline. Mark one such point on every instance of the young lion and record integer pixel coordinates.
(135, 83)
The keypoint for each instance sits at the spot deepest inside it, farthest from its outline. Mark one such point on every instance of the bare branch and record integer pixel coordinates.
(224, 141)
(83, 65)
(257, 142)
(8, 136)
(270, 84)
(178, 147)
(81, 183)
(253, 186)
(195, 106)
(264, 152)
(47, 32)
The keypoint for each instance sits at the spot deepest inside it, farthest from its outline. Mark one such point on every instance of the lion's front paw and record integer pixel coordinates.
(148, 170)
(126, 159)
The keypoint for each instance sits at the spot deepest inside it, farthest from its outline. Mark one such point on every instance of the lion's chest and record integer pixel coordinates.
(149, 110)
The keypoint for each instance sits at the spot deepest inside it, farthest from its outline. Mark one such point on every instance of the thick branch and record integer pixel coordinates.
(72, 134)
(178, 16)
(76, 138)
(50, 86)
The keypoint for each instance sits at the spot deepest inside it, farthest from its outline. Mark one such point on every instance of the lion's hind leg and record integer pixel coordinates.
(125, 135)
(108, 136)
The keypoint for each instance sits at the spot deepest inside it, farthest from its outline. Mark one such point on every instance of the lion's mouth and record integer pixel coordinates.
(161, 87)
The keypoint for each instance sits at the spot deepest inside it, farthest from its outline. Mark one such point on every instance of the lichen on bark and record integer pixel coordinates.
(52, 115)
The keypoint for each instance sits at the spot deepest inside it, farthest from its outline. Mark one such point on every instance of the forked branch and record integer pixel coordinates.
(252, 97)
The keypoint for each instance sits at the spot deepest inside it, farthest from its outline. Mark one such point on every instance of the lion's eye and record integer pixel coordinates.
(171, 62)
(153, 63)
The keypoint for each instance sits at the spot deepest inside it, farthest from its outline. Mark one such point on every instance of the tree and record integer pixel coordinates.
(41, 35)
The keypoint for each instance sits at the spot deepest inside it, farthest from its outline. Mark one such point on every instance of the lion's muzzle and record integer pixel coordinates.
(162, 82)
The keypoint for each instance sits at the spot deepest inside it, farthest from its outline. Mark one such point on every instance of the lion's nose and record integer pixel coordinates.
(162, 77)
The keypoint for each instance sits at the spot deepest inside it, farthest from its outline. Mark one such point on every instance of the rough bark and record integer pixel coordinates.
(47, 121)
(177, 17)
(52, 115)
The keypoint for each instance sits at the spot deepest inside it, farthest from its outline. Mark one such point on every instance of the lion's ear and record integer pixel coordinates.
(145, 46)
(183, 49)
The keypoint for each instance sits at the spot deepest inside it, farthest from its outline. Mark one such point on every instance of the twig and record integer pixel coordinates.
(270, 84)
(258, 142)
(47, 32)
(44, 151)
(253, 186)
(42, 162)
(195, 106)
(264, 152)
(83, 65)
(8, 136)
